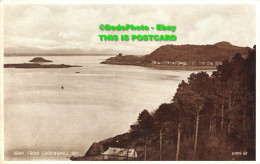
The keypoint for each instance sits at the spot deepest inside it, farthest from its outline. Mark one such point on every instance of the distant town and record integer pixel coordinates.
(189, 63)
(160, 64)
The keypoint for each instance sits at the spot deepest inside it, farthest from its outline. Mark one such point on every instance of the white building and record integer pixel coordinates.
(119, 154)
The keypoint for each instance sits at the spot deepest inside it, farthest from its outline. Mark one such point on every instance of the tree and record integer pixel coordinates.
(145, 122)
(164, 113)
(188, 103)
(179, 101)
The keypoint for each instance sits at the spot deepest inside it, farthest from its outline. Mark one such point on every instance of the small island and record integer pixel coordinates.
(36, 64)
(39, 60)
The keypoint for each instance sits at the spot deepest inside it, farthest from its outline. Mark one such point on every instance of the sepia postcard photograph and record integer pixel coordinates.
(129, 81)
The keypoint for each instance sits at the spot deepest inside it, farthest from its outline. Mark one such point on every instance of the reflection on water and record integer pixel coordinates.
(100, 101)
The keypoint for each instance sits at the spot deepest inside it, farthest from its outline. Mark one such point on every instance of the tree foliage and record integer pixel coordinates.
(209, 116)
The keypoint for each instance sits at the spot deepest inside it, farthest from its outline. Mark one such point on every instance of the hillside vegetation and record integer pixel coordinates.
(209, 118)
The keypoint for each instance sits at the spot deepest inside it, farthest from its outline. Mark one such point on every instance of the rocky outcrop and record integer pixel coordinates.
(39, 60)
(95, 149)
(36, 63)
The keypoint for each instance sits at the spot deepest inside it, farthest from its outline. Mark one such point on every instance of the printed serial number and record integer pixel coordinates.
(239, 153)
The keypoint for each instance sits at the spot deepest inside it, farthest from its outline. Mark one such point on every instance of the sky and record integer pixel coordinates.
(75, 27)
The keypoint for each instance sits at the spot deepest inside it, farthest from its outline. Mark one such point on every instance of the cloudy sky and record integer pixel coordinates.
(75, 27)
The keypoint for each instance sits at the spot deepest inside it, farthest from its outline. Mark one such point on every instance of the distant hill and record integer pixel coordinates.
(36, 50)
(16, 50)
(215, 52)
(183, 57)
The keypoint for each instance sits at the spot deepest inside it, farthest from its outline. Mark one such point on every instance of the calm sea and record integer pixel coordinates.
(44, 122)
